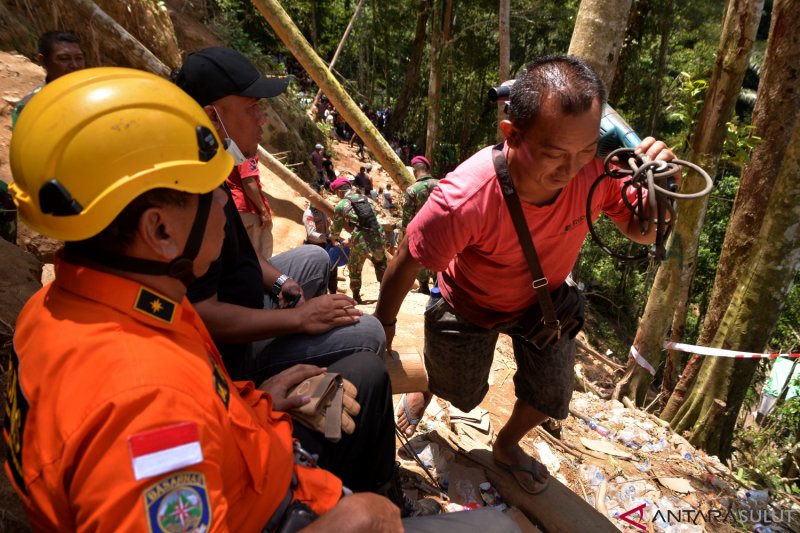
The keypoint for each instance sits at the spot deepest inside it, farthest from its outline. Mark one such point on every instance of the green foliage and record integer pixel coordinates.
(688, 96)
(615, 291)
(692, 33)
(786, 335)
(769, 450)
(374, 59)
(227, 24)
(739, 143)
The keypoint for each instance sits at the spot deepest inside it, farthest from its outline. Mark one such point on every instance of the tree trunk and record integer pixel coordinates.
(314, 26)
(676, 272)
(707, 431)
(137, 54)
(372, 54)
(599, 33)
(440, 35)
(776, 111)
(466, 123)
(411, 79)
(505, 57)
(752, 314)
(362, 63)
(339, 48)
(294, 181)
(313, 65)
(665, 26)
(628, 55)
(672, 367)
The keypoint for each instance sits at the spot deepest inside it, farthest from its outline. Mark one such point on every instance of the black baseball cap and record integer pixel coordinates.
(217, 72)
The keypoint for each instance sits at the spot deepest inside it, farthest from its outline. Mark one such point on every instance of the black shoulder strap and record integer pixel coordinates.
(524, 235)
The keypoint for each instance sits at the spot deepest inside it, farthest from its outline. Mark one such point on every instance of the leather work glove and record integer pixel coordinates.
(332, 405)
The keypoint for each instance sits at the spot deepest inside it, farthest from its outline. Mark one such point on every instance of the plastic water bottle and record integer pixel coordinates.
(627, 437)
(491, 497)
(757, 495)
(656, 446)
(628, 495)
(596, 479)
(593, 475)
(598, 428)
(436, 294)
(715, 481)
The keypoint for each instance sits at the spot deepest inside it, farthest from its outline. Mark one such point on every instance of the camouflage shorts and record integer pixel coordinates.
(458, 358)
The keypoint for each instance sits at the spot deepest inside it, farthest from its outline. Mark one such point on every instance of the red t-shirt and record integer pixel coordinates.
(248, 169)
(465, 232)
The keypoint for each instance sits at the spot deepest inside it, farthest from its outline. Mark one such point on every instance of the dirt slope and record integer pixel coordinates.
(18, 76)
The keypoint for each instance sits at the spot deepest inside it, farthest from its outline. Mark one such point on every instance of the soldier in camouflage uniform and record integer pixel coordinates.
(415, 197)
(355, 214)
(8, 215)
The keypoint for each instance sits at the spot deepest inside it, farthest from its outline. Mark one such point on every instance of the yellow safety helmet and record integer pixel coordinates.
(91, 141)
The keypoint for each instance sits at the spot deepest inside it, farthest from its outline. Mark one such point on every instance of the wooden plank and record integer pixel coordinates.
(406, 370)
(556, 510)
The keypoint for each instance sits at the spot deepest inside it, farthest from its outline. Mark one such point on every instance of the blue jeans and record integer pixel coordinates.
(308, 266)
(364, 460)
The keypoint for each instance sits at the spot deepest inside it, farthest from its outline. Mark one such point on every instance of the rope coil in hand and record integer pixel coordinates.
(657, 178)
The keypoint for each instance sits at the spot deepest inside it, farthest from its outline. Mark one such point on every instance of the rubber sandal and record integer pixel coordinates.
(411, 420)
(530, 470)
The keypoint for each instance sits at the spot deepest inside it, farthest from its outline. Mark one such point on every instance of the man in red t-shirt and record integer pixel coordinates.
(245, 185)
(465, 233)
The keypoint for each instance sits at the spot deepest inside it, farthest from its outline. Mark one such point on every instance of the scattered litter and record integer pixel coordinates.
(604, 446)
(547, 457)
(647, 468)
(464, 486)
(676, 484)
(491, 497)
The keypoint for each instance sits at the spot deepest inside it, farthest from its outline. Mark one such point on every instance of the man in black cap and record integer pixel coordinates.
(266, 316)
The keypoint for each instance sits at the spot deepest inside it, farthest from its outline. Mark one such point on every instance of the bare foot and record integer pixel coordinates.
(531, 475)
(412, 406)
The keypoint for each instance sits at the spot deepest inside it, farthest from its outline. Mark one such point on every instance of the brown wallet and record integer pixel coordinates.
(327, 411)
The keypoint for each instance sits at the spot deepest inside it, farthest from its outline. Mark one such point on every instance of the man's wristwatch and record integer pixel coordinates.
(278, 285)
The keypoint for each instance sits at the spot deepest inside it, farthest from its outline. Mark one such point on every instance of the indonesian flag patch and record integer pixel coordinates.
(165, 449)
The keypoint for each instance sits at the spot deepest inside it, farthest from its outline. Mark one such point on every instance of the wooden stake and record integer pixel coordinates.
(291, 36)
(557, 508)
(137, 53)
(406, 370)
(338, 50)
(294, 181)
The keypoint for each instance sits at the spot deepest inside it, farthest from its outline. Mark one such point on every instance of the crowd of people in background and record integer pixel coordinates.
(199, 338)
(185, 273)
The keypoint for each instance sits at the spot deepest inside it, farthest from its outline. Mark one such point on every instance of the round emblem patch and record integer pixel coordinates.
(178, 504)
(180, 510)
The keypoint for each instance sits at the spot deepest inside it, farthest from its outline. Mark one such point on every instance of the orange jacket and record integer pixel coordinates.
(111, 382)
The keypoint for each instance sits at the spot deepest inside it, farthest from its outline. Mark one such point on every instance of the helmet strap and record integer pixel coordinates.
(180, 268)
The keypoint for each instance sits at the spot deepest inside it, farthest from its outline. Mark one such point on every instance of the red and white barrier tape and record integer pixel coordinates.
(641, 361)
(704, 350)
(719, 352)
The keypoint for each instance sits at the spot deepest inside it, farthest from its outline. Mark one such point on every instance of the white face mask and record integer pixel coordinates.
(230, 145)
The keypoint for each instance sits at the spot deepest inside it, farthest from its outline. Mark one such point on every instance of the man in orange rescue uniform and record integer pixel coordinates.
(119, 413)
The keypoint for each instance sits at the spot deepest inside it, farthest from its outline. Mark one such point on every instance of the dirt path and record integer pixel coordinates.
(288, 233)
(18, 77)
